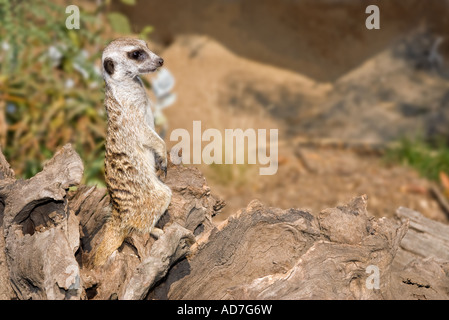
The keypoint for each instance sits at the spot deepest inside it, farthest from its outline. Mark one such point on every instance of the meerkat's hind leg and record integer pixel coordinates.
(164, 202)
(112, 239)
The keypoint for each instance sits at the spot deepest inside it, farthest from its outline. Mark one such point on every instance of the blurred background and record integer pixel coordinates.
(358, 111)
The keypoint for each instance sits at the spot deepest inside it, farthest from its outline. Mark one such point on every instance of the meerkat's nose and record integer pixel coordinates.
(160, 62)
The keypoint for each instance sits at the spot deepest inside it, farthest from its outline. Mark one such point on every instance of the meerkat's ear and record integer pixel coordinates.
(108, 65)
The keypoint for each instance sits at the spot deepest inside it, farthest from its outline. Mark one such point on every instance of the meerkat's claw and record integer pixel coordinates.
(161, 164)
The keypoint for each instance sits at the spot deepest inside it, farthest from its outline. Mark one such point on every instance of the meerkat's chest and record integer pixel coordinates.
(141, 107)
(148, 116)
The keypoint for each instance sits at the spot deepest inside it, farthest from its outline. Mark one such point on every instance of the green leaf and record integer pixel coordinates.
(146, 31)
(129, 2)
(119, 22)
(73, 36)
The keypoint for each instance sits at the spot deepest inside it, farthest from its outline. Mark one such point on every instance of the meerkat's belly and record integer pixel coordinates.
(136, 192)
(134, 171)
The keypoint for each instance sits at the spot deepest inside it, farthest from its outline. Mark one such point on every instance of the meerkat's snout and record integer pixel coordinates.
(156, 62)
(150, 63)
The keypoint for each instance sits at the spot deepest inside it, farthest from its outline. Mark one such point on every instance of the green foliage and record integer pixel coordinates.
(429, 159)
(129, 2)
(51, 89)
(145, 32)
(119, 22)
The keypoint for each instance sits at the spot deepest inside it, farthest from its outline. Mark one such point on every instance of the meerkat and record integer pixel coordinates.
(134, 151)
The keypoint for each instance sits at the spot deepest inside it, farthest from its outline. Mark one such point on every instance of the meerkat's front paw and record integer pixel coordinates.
(161, 163)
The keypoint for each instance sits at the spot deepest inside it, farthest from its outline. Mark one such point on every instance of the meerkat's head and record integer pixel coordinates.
(127, 58)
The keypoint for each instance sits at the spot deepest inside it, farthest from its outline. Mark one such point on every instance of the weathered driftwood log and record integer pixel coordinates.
(39, 255)
(421, 266)
(426, 238)
(142, 261)
(47, 235)
(48, 232)
(6, 177)
(269, 253)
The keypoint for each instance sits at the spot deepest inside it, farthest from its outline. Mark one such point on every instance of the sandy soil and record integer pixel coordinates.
(278, 65)
(320, 178)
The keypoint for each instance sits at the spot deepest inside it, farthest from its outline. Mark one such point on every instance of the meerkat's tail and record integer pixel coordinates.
(113, 238)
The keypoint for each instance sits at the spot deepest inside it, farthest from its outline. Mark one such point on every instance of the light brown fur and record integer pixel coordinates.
(133, 148)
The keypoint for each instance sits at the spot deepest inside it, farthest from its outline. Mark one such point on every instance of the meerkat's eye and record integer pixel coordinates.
(136, 55)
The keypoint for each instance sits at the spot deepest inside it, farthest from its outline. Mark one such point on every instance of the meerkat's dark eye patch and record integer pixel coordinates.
(108, 65)
(138, 55)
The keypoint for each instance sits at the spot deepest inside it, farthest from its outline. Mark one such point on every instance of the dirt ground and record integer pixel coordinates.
(318, 178)
(322, 39)
(286, 66)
